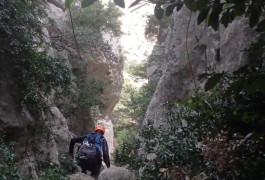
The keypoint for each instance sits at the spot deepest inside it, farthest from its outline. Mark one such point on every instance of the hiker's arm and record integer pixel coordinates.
(105, 150)
(73, 141)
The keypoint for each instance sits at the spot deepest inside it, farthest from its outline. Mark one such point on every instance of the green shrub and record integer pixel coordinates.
(8, 161)
(200, 140)
(22, 43)
(20, 22)
(138, 71)
(89, 24)
(153, 26)
(130, 110)
(52, 171)
(90, 93)
(39, 75)
(99, 17)
(125, 150)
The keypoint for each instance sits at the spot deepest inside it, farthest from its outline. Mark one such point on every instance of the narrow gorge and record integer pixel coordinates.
(178, 85)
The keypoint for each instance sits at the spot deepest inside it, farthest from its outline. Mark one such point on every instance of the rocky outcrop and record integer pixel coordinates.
(191, 49)
(109, 71)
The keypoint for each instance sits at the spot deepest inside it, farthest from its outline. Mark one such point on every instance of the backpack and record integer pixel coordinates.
(90, 147)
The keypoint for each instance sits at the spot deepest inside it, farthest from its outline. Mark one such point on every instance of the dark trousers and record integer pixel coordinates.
(92, 165)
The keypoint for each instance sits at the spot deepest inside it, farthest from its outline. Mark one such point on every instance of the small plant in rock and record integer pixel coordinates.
(67, 164)
(154, 26)
(40, 75)
(8, 162)
(52, 171)
(90, 93)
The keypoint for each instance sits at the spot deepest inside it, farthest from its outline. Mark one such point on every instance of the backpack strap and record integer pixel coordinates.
(96, 138)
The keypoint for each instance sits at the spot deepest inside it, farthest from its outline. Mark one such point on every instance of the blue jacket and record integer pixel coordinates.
(104, 145)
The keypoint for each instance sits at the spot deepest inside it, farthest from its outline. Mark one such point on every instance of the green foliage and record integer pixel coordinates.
(21, 38)
(153, 26)
(19, 24)
(98, 17)
(124, 134)
(52, 171)
(8, 166)
(129, 112)
(68, 3)
(90, 93)
(90, 22)
(127, 148)
(203, 135)
(215, 11)
(138, 71)
(136, 101)
(41, 73)
(67, 164)
(131, 108)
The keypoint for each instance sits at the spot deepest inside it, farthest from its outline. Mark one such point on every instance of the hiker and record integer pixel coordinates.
(89, 155)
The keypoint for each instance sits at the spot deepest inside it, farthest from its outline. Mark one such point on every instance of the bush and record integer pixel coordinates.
(8, 161)
(52, 171)
(199, 140)
(90, 93)
(138, 71)
(90, 23)
(153, 26)
(99, 17)
(39, 75)
(22, 43)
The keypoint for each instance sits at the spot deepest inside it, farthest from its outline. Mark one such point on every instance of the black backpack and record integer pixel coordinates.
(90, 147)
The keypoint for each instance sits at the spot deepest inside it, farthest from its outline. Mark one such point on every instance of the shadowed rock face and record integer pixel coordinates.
(204, 48)
(10, 110)
(48, 136)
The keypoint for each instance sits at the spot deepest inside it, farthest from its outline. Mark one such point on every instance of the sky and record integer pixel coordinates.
(135, 46)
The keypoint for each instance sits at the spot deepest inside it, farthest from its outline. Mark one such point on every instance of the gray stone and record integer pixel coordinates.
(80, 176)
(115, 173)
(192, 48)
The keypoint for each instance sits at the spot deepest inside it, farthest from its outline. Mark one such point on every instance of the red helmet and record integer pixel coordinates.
(101, 128)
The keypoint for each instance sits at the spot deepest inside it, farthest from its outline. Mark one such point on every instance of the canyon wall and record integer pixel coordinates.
(46, 137)
(191, 49)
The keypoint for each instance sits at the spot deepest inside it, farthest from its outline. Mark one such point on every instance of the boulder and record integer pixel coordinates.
(115, 173)
(80, 176)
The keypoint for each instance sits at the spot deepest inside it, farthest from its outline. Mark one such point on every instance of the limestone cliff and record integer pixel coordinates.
(46, 137)
(204, 48)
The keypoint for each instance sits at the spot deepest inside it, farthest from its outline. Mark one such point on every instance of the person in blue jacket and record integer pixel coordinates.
(95, 165)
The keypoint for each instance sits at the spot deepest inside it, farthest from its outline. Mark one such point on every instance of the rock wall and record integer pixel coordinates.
(47, 137)
(201, 46)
